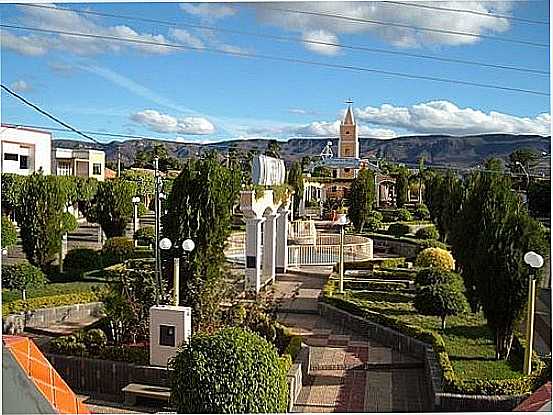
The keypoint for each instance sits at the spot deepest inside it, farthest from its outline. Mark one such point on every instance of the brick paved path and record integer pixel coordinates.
(349, 373)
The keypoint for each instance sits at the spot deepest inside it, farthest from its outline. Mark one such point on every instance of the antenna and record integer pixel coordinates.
(349, 101)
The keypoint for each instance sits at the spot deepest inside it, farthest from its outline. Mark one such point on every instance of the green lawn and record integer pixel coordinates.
(51, 289)
(469, 342)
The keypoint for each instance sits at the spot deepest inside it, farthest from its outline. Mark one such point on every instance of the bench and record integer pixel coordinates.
(133, 390)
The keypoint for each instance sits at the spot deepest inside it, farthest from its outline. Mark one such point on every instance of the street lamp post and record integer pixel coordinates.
(135, 202)
(535, 261)
(342, 222)
(157, 213)
(187, 246)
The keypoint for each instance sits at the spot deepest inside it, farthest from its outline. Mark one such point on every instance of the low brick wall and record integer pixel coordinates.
(441, 401)
(86, 375)
(45, 317)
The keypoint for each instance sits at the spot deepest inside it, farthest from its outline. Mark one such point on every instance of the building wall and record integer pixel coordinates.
(98, 158)
(34, 144)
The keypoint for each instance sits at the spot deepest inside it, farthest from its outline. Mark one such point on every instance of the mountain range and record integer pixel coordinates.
(454, 151)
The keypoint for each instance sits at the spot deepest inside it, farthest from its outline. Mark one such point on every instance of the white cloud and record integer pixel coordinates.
(209, 11)
(323, 37)
(20, 86)
(44, 18)
(390, 13)
(444, 117)
(163, 123)
(184, 37)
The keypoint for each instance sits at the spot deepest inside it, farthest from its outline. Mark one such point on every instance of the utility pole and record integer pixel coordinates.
(157, 220)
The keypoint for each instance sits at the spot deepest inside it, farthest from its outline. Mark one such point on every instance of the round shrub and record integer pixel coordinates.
(232, 371)
(435, 257)
(145, 235)
(82, 259)
(422, 212)
(398, 229)
(404, 215)
(9, 232)
(69, 222)
(117, 249)
(428, 232)
(22, 276)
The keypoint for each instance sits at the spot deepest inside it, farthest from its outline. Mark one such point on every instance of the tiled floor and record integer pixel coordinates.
(349, 373)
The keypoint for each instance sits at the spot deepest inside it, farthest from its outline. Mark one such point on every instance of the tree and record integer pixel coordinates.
(199, 207)
(273, 149)
(402, 187)
(12, 186)
(40, 215)
(322, 171)
(9, 232)
(112, 206)
(295, 180)
(494, 164)
(145, 158)
(439, 293)
(528, 157)
(539, 198)
(491, 259)
(361, 199)
(22, 277)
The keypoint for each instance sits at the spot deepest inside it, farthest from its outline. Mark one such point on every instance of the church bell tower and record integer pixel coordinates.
(348, 146)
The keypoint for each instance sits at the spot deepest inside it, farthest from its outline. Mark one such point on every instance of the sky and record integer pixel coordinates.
(211, 88)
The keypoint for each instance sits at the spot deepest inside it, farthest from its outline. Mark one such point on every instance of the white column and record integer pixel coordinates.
(253, 255)
(282, 242)
(269, 246)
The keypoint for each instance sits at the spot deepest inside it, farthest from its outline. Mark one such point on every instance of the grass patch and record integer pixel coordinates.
(49, 290)
(468, 341)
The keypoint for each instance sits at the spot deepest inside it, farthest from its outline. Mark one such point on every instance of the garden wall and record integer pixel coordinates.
(395, 246)
(45, 317)
(441, 402)
(105, 377)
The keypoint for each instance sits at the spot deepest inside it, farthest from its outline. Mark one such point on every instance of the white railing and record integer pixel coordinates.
(326, 250)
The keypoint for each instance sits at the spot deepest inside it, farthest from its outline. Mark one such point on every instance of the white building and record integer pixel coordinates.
(25, 150)
(79, 162)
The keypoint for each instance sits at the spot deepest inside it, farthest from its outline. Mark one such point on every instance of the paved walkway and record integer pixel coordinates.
(349, 373)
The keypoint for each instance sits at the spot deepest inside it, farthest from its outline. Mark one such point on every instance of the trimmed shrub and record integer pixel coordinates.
(52, 301)
(80, 260)
(9, 232)
(435, 257)
(142, 209)
(432, 276)
(428, 232)
(431, 243)
(117, 249)
(422, 212)
(145, 235)
(398, 229)
(232, 371)
(22, 276)
(68, 345)
(404, 215)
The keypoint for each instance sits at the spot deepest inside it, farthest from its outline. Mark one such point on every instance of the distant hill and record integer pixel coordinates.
(438, 149)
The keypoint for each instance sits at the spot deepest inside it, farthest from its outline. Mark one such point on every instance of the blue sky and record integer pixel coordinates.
(195, 95)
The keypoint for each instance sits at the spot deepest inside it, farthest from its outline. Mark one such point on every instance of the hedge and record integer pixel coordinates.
(423, 243)
(374, 285)
(373, 263)
(522, 385)
(52, 301)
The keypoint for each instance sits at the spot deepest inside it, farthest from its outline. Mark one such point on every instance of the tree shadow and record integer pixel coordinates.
(469, 332)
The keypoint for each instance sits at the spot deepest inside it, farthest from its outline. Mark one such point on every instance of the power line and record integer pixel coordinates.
(501, 16)
(294, 39)
(406, 26)
(43, 112)
(279, 58)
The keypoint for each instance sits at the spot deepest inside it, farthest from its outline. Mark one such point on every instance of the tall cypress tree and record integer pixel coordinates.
(361, 199)
(295, 180)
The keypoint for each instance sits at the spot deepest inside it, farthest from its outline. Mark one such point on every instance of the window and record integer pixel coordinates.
(347, 132)
(97, 169)
(64, 168)
(346, 170)
(24, 162)
(11, 156)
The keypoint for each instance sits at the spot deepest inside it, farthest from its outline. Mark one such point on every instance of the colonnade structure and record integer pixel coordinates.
(266, 250)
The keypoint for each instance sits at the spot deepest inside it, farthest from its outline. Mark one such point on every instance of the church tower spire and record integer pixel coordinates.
(348, 146)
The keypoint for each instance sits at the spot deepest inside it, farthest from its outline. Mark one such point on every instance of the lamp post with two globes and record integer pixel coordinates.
(535, 261)
(342, 222)
(187, 246)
